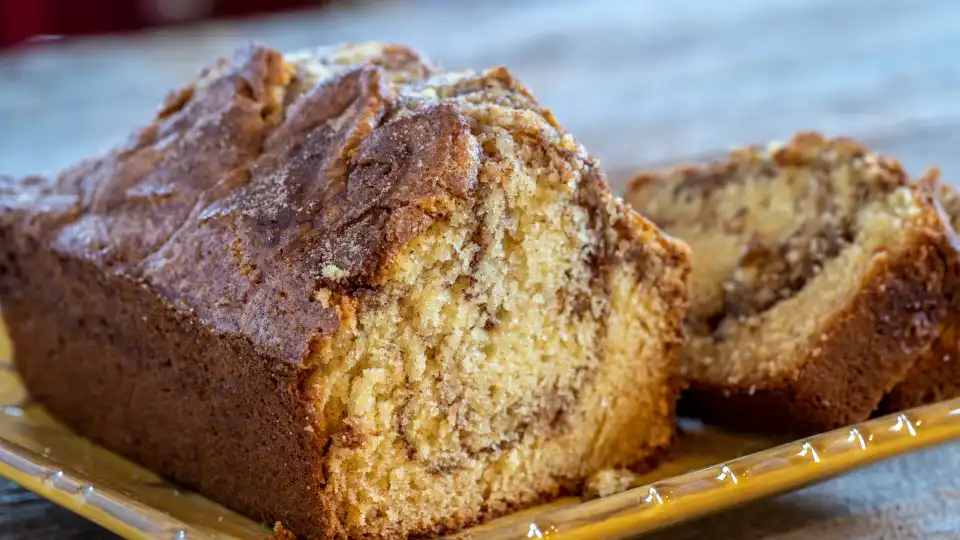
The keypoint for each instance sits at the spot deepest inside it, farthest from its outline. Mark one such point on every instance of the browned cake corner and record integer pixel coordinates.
(936, 375)
(351, 293)
(819, 275)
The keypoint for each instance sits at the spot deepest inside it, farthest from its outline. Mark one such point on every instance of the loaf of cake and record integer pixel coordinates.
(936, 376)
(349, 292)
(819, 278)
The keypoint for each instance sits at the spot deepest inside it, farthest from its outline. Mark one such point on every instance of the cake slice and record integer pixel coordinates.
(936, 376)
(819, 277)
(347, 291)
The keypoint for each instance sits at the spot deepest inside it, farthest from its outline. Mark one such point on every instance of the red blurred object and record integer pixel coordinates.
(22, 20)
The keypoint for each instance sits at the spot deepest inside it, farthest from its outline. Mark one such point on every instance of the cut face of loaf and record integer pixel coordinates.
(819, 274)
(936, 375)
(348, 292)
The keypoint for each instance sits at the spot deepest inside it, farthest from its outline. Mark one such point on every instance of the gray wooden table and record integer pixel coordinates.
(641, 84)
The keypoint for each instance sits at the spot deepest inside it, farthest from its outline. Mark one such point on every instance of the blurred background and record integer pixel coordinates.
(641, 83)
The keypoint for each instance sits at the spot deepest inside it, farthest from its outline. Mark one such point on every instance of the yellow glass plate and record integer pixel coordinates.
(708, 470)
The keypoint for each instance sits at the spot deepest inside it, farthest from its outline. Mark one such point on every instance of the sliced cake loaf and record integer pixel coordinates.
(936, 376)
(819, 275)
(346, 291)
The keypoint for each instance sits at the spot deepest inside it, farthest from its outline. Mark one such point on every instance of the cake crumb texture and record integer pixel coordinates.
(819, 276)
(609, 482)
(350, 292)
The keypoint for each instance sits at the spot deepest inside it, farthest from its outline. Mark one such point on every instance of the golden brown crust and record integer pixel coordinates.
(320, 199)
(869, 348)
(805, 149)
(934, 377)
(266, 207)
(936, 374)
(193, 280)
(156, 385)
(857, 350)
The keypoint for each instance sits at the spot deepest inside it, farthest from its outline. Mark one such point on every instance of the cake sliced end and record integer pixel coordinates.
(819, 272)
(936, 375)
(349, 292)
